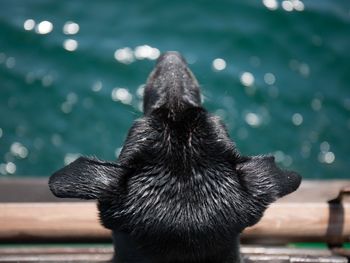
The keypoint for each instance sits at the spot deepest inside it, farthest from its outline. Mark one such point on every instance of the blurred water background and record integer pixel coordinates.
(277, 72)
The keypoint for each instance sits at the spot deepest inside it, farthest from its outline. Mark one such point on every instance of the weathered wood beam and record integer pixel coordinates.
(33, 189)
(104, 254)
(78, 221)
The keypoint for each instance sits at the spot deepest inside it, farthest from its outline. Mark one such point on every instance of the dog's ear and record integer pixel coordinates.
(263, 177)
(84, 178)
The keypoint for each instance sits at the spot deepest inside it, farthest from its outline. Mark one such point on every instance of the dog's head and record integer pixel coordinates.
(171, 86)
(231, 190)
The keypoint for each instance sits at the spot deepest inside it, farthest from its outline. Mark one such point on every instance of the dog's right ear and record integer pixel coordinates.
(263, 177)
(85, 178)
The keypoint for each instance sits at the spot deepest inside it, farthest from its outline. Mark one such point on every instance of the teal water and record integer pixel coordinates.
(280, 79)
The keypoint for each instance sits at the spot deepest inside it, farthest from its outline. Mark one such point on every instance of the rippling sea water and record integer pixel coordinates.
(277, 72)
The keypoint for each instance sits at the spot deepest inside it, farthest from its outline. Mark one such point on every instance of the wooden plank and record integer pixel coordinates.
(37, 190)
(104, 254)
(51, 222)
(79, 222)
(27, 190)
(69, 250)
(319, 191)
(285, 254)
(302, 222)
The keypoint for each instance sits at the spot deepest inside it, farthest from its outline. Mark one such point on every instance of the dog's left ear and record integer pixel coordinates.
(262, 176)
(85, 178)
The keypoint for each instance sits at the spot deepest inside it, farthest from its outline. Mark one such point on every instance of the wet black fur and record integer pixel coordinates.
(180, 191)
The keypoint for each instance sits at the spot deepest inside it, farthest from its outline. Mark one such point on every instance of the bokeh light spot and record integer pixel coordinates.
(29, 24)
(269, 78)
(44, 27)
(122, 95)
(298, 5)
(253, 119)
(219, 64)
(297, 119)
(97, 86)
(146, 51)
(10, 62)
(18, 150)
(10, 168)
(270, 4)
(326, 157)
(287, 5)
(247, 79)
(124, 55)
(70, 28)
(316, 104)
(70, 44)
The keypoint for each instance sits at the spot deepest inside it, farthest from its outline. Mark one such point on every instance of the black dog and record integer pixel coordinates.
(180, 191)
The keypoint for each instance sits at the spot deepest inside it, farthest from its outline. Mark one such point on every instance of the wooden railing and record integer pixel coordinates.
(305, 215)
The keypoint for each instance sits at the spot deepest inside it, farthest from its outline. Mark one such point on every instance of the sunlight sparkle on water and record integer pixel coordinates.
(70, 28)
(247, 79)
(29, 24)
(324, 146)
(297, 119)
(18, 150)
(219, 64)
(279, 156)
(10, 168)
(66, 107)
(70, 44)
(145, 51)
(72, 98)
(270, 4)
(44, 27)
(304, 69)
(305, 149)
(287, 5)
(140, 90)
(298, 5)
(269, 78)
(97, 86)
(288, 160)
(56, 139)
(122, 95)
(47, 80)
(316, 104)
(10, 62)
(124, 55)
(326, 157)
(290, 5)
(253, 119)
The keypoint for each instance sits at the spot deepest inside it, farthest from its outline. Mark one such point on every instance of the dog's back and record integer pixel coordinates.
(184, 195)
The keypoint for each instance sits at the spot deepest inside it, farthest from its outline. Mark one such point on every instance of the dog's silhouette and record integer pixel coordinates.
(179, 191)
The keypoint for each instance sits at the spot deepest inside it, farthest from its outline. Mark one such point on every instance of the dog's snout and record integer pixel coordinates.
(171, 57)
(171, 85)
